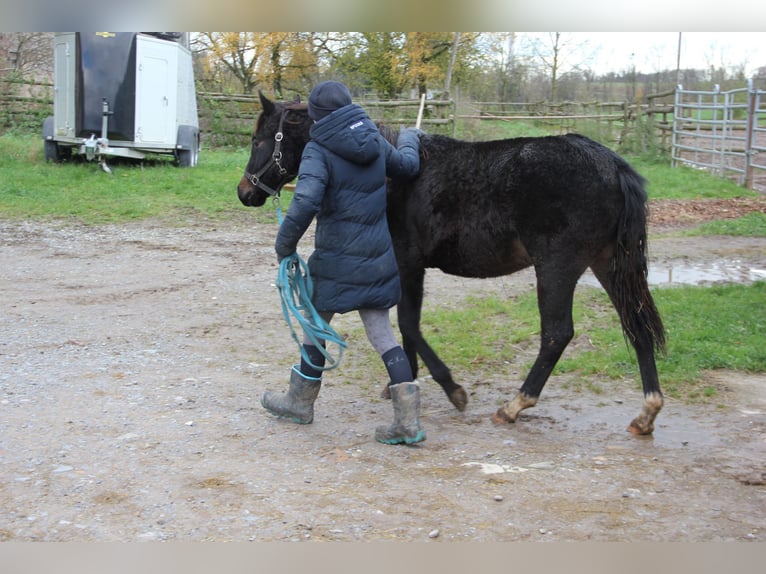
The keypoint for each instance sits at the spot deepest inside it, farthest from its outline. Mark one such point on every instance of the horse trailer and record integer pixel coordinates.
(123, 94)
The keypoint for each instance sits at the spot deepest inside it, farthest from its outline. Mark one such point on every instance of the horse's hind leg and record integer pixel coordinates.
(643, 343)
(554, 299)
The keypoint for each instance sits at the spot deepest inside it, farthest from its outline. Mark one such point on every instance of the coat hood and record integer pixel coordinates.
(350, 133)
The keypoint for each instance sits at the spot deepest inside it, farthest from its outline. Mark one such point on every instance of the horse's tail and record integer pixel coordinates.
(640, 319)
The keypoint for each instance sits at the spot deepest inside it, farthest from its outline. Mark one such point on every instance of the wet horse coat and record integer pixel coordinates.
(561, 204)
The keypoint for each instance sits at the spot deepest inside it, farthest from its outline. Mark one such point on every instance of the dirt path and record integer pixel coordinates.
(132, 359)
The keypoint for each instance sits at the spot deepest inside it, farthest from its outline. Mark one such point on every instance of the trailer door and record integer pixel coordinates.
(156, 92)
(64, 85)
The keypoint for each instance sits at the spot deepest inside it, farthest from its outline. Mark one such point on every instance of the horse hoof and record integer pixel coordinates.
(385, 393)
(643, 424)
(637, 430)
(459, 398)
(502, 418)
(510, 410)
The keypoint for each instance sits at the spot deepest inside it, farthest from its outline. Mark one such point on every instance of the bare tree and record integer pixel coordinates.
(234, 53)
(508, 64)
(560, 54)
(27, 54)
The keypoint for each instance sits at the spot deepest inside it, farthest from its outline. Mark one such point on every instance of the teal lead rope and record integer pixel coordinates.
(295, 291)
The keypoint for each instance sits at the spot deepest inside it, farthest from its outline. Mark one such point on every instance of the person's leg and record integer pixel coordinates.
(305, 381)
(316, 357)
(405, 393)
(380, 333)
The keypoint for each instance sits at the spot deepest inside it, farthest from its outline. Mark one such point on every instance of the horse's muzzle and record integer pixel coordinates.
(249, 195)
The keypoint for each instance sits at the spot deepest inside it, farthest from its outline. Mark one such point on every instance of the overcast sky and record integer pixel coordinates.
(653, 51)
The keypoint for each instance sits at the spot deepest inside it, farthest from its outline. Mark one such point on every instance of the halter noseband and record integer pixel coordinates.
(276, 158)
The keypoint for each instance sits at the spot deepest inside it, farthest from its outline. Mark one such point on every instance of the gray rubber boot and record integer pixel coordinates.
(298, 403)
(406, 426)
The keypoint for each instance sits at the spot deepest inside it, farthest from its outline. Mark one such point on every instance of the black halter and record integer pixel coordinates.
(276, 158)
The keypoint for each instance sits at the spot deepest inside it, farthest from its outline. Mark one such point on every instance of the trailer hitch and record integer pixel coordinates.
(95, 146)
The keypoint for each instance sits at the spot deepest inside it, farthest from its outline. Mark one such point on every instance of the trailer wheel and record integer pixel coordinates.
(53, 151)
(56, 153)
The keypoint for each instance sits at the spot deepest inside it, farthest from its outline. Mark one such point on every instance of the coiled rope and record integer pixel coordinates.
(295, 291)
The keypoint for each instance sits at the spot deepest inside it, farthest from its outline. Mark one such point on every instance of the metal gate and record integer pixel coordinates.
(724, 132)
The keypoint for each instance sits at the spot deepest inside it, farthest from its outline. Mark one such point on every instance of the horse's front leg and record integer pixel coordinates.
(409, 314)
(557, 329)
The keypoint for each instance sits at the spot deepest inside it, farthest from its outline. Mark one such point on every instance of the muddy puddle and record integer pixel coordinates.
(667, 274)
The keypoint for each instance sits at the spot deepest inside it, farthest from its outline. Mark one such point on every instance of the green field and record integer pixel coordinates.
(78, 190)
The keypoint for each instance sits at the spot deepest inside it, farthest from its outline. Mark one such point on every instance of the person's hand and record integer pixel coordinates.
(280, 257)
(417, 131)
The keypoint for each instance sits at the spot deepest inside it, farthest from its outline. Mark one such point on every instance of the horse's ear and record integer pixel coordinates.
(266, 104)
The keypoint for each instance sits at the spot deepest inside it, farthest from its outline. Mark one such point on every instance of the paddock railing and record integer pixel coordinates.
(622, 124)
(228, 119)
(723, 132)
(24, 103)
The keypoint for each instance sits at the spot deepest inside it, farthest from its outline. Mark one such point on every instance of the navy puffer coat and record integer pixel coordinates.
(342, 182)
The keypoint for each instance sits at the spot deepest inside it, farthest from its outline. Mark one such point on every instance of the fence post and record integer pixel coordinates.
(750, 134)
(677, 100)
(625, 121)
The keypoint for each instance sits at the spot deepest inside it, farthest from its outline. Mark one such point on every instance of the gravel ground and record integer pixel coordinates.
(131, 362)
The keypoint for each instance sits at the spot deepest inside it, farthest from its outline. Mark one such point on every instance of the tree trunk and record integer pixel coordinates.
(448, 78)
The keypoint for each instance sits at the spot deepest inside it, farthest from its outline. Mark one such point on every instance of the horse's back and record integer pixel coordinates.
(483, 209)
(565, 169)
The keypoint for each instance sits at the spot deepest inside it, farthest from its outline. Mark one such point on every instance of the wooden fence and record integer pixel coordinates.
(227, 119)
(628, 126)
(24, 104)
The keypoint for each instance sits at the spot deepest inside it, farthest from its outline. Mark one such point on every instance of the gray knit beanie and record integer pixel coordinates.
(327, 97)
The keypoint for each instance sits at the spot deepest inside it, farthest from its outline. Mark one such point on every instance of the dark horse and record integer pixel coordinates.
(562, 204)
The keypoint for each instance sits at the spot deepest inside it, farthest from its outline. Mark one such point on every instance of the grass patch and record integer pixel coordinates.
(683, 182)
(751, 225)
(78, 190)
(483, 332)
(707, 328)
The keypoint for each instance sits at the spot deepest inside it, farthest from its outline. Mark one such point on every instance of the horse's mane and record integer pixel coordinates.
(388, 133)
(392, 135)
(296, 106)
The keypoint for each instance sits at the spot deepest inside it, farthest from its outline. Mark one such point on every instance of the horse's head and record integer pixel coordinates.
(281, 133)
